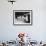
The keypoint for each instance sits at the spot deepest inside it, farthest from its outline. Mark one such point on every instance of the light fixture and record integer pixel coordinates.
(12, 1)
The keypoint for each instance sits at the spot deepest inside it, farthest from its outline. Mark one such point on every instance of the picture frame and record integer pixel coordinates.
(22, 17)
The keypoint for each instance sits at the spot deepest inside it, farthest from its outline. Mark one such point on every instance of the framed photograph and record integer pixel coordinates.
(22, 17)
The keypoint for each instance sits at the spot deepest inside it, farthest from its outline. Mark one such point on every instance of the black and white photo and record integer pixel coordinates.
(22, 17)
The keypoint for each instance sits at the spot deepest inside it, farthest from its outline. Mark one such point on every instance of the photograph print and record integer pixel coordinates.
(22, 17)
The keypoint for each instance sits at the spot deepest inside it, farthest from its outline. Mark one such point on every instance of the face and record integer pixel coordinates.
(19, 18)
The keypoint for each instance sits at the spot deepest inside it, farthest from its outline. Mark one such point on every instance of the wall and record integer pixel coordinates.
(38, 30)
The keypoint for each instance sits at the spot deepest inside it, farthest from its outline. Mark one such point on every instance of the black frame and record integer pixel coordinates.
(25, 11)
